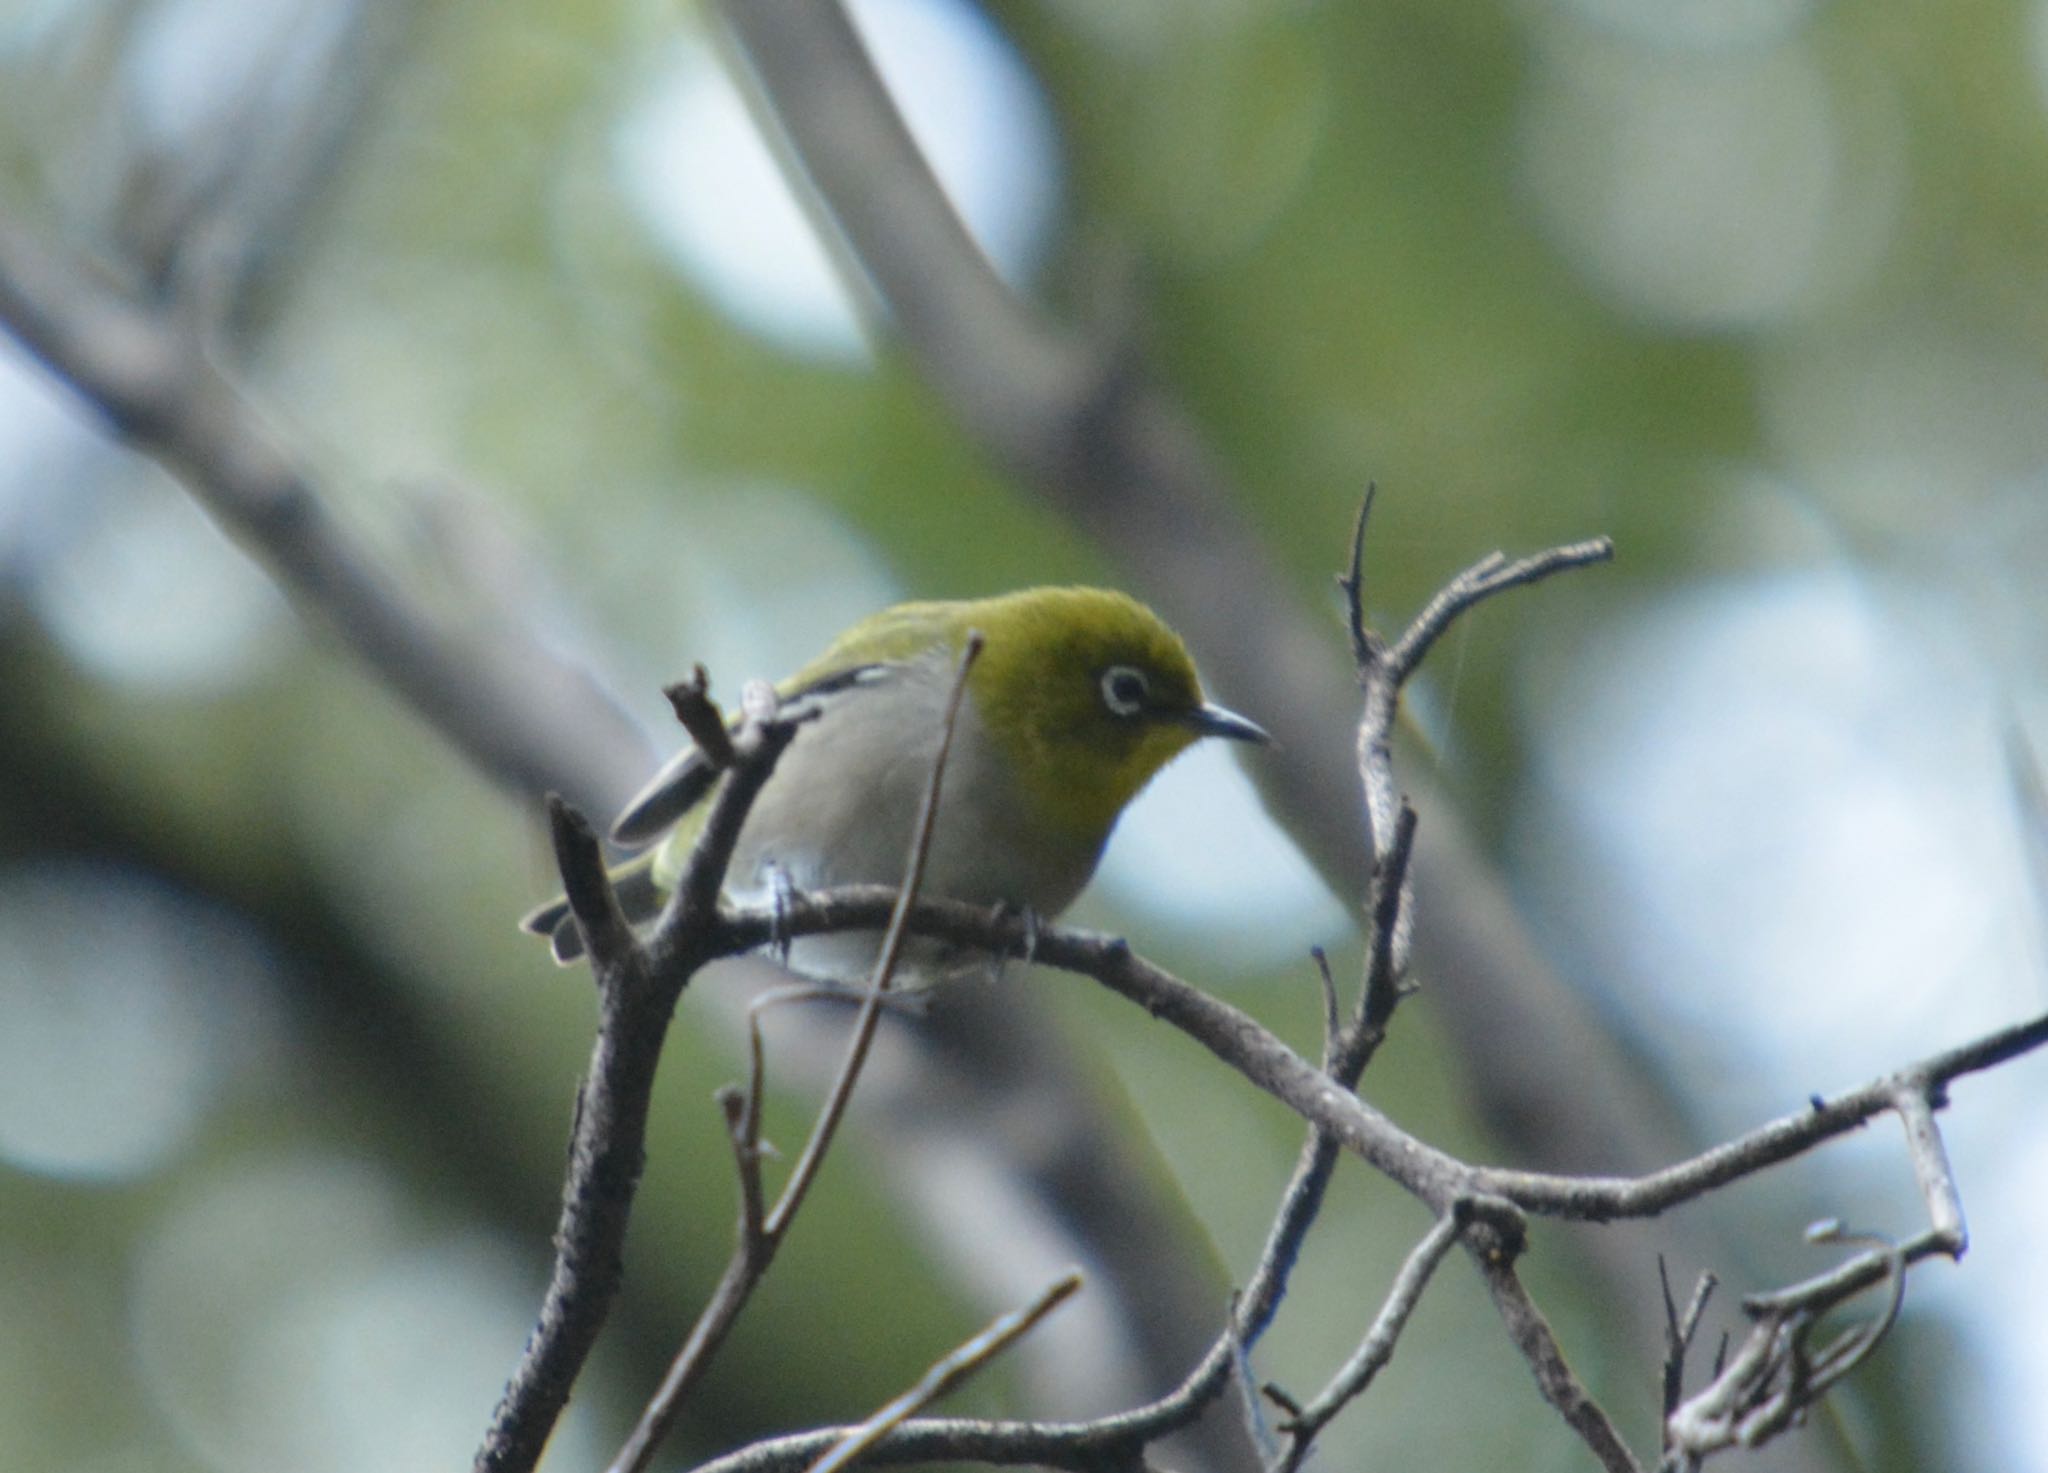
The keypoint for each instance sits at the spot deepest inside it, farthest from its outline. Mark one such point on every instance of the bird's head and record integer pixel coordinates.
(1089, 694)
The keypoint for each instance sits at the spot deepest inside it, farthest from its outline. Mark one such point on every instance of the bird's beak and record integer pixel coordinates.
(1210, 719)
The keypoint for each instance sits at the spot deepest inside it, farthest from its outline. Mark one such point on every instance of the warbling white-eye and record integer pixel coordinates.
(1080, 695)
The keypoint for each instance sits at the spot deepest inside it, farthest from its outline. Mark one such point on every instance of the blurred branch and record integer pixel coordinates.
(200, 216)
(518, 712)
(2030, 809)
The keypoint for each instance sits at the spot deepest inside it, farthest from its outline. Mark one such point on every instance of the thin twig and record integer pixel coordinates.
(948, 1373)
(1931, 1169)
(742, 1126)
(1333, 1023)
(606, 935)
(1490, 575)
(1679, 1329)
(692, 911)
(1775, 1376)
(700, 717)
(1846, 1279)
(1384, 669)
(1855, 1345)
(1386, 960)
(834, 1111)
(1377, 1348)
(1250, 1403)
(1352, 582)
(1560, 1386)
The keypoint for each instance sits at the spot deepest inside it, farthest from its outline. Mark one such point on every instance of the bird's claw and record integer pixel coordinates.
(781, 895)
(1029, 921)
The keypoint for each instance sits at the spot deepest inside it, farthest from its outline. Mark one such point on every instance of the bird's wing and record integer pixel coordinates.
(871, 650)
(669, 794)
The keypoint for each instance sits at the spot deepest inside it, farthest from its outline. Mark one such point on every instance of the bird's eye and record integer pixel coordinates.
(1124, 690)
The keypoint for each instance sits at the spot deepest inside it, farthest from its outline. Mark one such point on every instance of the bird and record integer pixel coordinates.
(1079, 697)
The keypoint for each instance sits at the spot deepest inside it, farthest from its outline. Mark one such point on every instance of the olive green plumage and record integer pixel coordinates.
(1079, 697)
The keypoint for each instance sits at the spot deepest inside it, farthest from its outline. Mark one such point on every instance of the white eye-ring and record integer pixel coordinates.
(1124, 690)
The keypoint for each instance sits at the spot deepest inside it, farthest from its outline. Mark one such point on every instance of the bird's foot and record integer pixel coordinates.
(1028, 919)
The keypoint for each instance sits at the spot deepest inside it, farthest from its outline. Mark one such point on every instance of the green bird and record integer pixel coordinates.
(1080, 695)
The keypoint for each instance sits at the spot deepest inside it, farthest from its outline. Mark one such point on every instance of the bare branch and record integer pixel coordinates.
(1849, 1351)
(948, 1373)
(1385, 957)
(1257, 1054)
(1383, 670)
(700, 717)
(1377, 1348)
(1937, 1179)
(1533, 1336)
(1679, 1330)
(1332, 1021)
(586, 886)
(1490, 575)
(692, 910)
(1365, 645)
(1775, 1375)
(834, 1110)
(1250, 1404)
(1771, 1359)
(1847, 1279)
(742, 1111)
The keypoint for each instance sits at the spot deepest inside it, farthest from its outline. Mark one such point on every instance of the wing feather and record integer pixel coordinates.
(686, 777)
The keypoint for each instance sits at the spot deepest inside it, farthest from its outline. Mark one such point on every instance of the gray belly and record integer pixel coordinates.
(841, 809)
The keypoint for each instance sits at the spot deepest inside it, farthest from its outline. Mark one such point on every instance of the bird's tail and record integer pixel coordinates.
(639, 897)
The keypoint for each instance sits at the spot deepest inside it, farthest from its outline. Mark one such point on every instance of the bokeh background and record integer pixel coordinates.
(1759, 288)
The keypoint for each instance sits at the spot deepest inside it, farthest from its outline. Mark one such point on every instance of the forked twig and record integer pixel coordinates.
(1679, 1329)
(1775, 1374)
